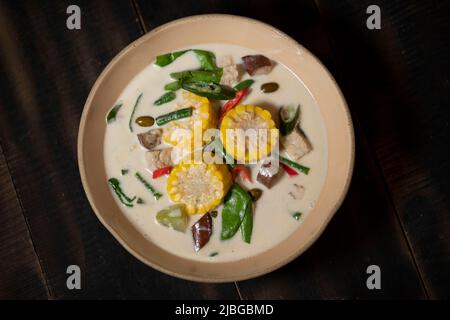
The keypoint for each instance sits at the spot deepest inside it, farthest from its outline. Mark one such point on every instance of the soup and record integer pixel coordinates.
(169, 187)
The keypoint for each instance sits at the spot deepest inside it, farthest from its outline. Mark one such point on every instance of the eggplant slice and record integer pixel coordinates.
(201, 231)
(257, 64)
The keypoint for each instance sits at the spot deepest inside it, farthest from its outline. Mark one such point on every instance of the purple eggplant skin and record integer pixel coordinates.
(257, 64)
(201, 231)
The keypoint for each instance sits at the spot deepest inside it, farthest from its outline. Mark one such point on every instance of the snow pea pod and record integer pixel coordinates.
(235, 210)
(166, 97)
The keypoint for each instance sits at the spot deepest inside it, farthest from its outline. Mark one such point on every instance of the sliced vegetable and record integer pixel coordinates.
(296, 145)
(213, 254)
(295, 165)
(297, 215)
(199, 75)
(162, 171)
(175, 115)
(208, 90)
(201, 187)
(257, 64)
(267, 173)
(124, 171)
(269, 87)
(288, 118)
(255, 193)
(158, 159)
(168, 58)
(150, 139)
(155, 193)
(233, 103)
(241, 170)
(233, 130)
(201, 231)
(244, 84)
(166, 97)
(173, 86)
(140, 201)
(291, 172)
(235, 207)
(124, 199)
(130, 123)
(174, 216)
(111, 116)
(145, 121)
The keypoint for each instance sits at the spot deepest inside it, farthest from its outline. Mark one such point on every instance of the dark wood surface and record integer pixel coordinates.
(396, 214)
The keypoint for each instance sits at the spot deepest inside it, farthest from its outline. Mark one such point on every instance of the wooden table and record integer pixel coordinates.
(397, 212)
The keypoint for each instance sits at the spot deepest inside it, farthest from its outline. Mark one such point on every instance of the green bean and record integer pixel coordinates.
(208, 90)
(295, 165)
(173, 86)
(155, 193)
(166, 97)
(175, 115)
(199, 75)
(130, 123)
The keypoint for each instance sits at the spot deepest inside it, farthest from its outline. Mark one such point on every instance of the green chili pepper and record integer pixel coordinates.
(173, 86)
(124, 199)
(209, 90)
(199, 75)
(174, 216)
(288, 117)
(166, 97)
(207, 59)
(294, 164)
(130, 123)
(168, 58)
(175, 115)
(244, 84)
(155, 193)
(235, 211)
(111, 116)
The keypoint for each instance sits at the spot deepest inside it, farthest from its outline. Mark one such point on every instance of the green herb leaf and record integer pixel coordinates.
(213, 254)
(124, 199)
(111, 116)
(124, 171)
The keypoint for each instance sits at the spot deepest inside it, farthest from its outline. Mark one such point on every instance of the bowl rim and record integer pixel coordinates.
(123, 242)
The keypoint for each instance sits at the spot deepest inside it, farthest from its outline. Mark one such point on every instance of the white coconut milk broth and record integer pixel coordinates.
(273, 221)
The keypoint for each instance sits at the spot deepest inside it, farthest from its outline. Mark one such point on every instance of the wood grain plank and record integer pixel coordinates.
(47, 71)
(398, 80)
(21, 276)
(365, 230)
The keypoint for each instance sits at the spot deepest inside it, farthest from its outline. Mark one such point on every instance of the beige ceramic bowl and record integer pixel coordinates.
(218, 29)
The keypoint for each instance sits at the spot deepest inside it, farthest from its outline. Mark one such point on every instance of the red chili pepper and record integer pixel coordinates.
(291, 172)
(161, 171)
(233, 102)
(240, 169)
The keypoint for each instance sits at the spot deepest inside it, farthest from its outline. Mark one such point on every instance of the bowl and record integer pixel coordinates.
(215, 29)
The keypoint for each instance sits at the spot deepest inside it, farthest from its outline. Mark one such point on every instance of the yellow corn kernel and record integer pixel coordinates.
(203, 115)
(200, 187)
(238, 121)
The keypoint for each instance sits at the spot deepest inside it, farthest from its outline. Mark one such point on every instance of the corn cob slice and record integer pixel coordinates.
(203, 115)
(252, 145)
(201, 187)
